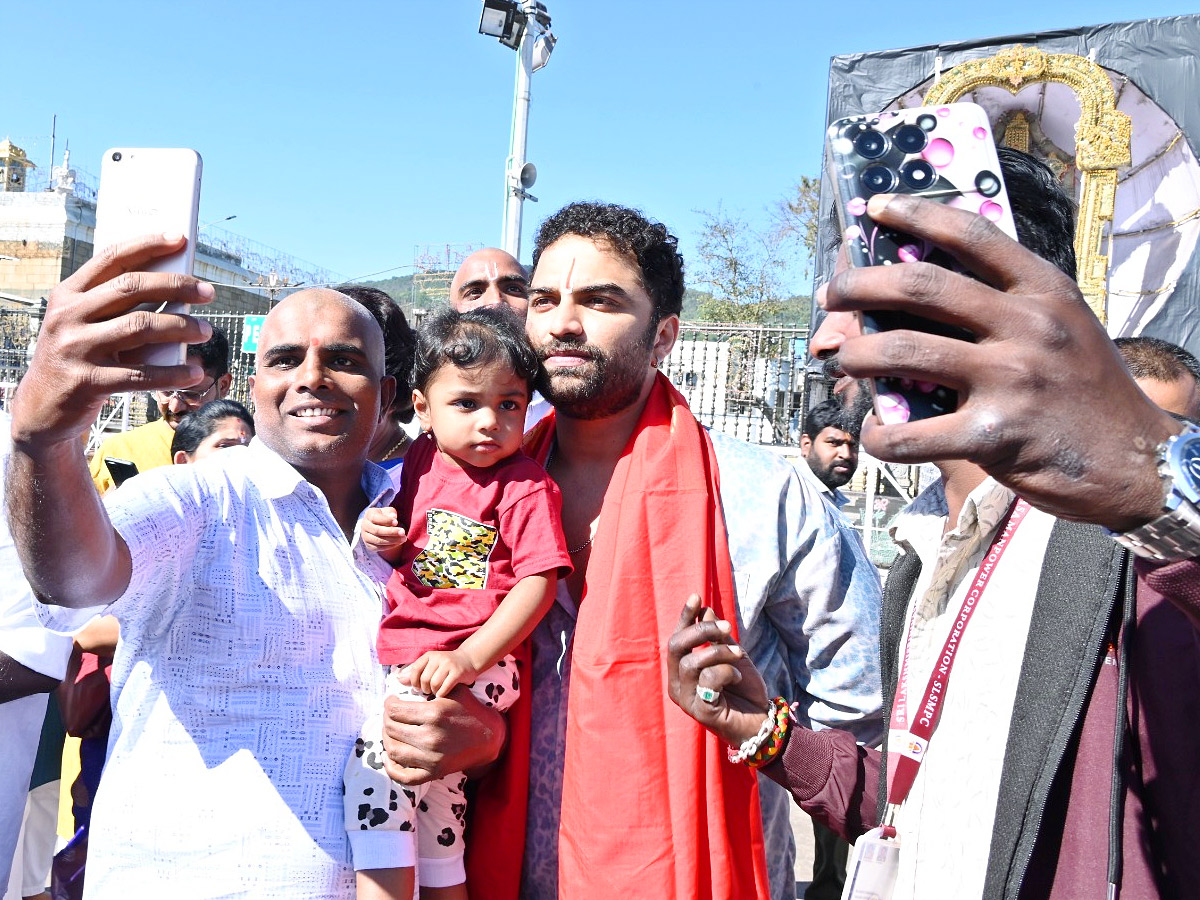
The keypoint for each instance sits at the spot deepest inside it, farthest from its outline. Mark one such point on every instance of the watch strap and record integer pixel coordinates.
(1174, 535)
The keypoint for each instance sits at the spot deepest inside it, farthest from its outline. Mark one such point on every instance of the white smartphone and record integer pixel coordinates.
(151, 191)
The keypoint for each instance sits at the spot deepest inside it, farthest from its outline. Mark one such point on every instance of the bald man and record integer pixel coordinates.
(489, 277)
(248, 607)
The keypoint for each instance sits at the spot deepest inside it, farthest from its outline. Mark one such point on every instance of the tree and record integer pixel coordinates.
(742, 269)
(796, 219)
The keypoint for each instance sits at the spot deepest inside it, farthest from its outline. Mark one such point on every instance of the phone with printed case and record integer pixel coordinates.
(945, 153)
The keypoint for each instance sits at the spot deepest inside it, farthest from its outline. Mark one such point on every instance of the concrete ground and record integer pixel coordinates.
(802, 829)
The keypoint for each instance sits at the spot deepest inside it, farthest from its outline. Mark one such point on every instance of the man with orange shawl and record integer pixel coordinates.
(606, 789)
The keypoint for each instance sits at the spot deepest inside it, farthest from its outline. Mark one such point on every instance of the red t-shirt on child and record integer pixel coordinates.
(472, 535)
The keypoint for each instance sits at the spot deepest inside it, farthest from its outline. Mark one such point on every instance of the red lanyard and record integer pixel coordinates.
(907, 744)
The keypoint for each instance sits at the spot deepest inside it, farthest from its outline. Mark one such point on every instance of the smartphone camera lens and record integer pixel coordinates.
(878, 179)
(917, 174)
(987, 183)
(116, 157)
(910, 138)
(871, 144)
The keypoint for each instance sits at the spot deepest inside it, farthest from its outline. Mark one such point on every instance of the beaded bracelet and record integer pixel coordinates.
(764, 746)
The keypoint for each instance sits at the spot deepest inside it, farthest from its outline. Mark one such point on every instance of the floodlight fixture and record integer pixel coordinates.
(543, 46)
(512, 37)
(497, 18)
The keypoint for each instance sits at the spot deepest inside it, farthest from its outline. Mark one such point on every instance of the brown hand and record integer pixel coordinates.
(90, 332)
(1046, 405)
(702, 653)
(426, 739)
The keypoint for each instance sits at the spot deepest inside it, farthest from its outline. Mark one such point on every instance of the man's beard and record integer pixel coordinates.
(603, 386)
(858, 407)
(825, 474)
(857, 403)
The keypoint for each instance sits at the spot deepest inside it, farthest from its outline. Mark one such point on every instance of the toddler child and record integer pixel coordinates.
(476, 563)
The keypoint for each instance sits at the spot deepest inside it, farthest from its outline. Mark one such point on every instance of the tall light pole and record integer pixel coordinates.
(523, 25)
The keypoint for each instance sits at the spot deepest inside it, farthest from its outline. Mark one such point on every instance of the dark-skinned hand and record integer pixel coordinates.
(702, 651)
(427, 739)
(1045, 403)
(92, 335)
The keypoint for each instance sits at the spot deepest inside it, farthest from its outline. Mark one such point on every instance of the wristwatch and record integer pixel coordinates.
(1174, 535)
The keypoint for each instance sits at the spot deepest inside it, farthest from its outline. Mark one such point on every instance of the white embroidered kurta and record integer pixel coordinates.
(245, 668)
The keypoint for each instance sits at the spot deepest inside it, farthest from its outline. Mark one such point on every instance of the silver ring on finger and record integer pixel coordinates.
(707, 694)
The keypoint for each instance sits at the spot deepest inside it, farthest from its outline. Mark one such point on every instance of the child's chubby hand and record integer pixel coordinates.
(381, 531)
(439, 671)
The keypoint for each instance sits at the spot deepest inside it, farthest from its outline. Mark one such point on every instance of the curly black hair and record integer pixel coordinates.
(649, 244)
(213, 353)
(470, 339)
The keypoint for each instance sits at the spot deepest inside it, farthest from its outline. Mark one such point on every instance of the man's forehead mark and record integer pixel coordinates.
(568, 281)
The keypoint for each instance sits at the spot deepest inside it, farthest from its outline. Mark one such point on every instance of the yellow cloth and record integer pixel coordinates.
(70, 770)
(147, 447)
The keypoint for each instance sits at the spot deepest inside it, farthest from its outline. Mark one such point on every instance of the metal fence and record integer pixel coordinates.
(743, 380)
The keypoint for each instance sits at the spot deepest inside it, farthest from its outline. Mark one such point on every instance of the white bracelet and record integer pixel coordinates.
(752, 745)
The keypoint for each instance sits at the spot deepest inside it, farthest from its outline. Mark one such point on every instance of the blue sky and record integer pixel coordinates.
(348, 134)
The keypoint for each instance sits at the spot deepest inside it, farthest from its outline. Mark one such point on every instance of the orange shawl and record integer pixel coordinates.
(650, 804)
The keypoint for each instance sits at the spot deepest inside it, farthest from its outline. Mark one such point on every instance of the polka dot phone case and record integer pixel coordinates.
(945, 153)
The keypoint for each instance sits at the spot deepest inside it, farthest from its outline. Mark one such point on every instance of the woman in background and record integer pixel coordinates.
(213, 427)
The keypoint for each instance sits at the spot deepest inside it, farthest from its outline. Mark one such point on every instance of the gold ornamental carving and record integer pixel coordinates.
(1102, 140)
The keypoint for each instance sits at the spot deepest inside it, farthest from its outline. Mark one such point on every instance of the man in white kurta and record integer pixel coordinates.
(248, 608)
(246, 664)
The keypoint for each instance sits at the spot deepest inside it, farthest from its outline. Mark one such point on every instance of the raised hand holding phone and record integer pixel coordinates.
(92, 331)
(944, 153)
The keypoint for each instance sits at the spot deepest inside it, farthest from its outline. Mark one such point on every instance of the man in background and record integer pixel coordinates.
(1166, 373)
(489, 277)
(149, 446)
(829, 446)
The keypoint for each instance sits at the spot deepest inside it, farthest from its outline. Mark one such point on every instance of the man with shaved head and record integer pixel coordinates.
(489, 277)
(248, 607)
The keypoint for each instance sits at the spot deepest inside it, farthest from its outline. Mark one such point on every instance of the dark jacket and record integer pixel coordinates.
(1050, 838)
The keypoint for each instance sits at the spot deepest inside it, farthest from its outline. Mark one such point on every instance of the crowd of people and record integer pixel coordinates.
(566, 641)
